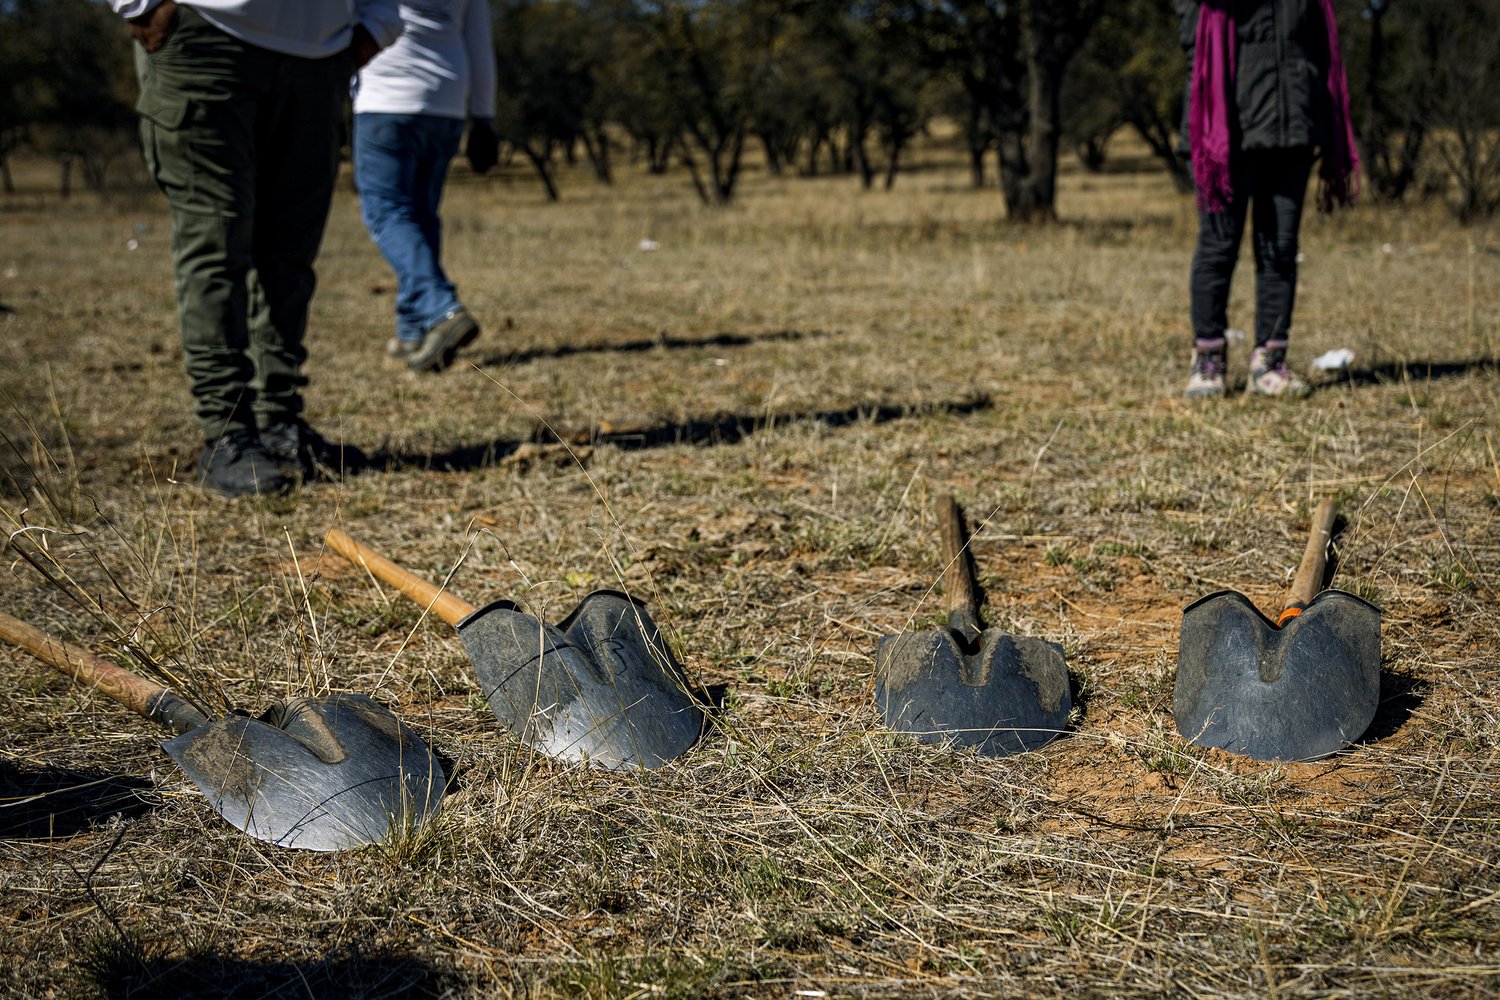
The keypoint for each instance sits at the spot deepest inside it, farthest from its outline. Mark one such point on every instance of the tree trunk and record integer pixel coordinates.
(1046, 71)
(596, 145)
(692, 166)
(1013, 172)
(542, 161)
(977, 138)
(1052, 34)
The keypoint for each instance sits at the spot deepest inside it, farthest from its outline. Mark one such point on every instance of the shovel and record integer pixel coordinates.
(966, 684)
(601, 686)
(1298, 688)
(322, 774)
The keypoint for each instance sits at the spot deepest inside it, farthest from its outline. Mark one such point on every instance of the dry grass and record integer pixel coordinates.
(772, 398)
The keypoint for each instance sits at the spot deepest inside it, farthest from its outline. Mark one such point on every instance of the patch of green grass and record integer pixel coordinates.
(1449, 576)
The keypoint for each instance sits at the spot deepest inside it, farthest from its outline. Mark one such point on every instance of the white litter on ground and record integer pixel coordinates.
(1335, 360)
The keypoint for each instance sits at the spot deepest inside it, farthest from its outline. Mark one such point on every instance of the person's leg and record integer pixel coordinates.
(199, 97)
(298, 135)
(1210, 278)
(300, 130)
(385, 172)
(1278, 192)
(449, 326)
(440, 141)
(400, 172)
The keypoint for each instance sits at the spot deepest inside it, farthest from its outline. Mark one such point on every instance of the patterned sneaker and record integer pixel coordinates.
(1270, 374)
(1210, 358)
(442, 341)
(235, 465)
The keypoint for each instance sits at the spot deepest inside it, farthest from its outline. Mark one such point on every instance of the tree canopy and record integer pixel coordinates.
(845, 86)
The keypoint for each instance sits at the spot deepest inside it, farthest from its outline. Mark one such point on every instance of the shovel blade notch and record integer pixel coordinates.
(1299, 692)
(322, 774)
(600, 687)
(1010, 696)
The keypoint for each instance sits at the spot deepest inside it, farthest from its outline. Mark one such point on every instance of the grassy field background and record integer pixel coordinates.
(759, 406)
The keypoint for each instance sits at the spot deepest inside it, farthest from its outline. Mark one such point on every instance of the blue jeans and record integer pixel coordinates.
(400, 165)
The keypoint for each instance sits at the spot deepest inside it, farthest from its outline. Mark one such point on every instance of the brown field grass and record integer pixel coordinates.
(760, 411)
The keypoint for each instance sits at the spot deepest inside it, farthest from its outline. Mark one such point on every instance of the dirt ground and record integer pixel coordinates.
(742, 417)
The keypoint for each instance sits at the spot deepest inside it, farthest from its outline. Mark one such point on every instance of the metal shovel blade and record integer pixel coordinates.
(1297, 692)
(973, 686)
(1010, 696)
(322, 774)
(600, 687)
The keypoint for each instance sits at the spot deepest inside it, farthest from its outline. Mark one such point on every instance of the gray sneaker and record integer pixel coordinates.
(236, 465)
(1210, 359)
(399, 347)
(1271, 376)
(443, 340)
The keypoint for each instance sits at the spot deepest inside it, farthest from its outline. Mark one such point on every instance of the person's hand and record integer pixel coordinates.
(483, 148)
(363, 47)
(153, 28)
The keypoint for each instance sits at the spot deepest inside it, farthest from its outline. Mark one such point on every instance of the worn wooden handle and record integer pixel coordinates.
(958, 572)
(136, 693)
(1309, 578)
(446, 606)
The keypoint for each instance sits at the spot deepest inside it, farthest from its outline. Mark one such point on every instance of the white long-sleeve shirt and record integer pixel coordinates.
(311, 29)
(443, 64)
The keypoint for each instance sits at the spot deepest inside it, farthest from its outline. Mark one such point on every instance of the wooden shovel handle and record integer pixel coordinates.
(446, 606)
(958, 574)
(1309, 578)
(136, 693)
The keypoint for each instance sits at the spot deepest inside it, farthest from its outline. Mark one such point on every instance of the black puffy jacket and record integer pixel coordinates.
(1280, 88)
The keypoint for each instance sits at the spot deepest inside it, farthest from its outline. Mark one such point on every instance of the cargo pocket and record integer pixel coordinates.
(162, 117)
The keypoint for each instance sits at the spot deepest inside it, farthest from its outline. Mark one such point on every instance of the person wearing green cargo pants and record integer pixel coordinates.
(241, 107)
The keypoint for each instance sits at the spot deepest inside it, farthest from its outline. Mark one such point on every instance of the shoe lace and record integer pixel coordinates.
(1276, 368)
(235, 443)
(290, 436)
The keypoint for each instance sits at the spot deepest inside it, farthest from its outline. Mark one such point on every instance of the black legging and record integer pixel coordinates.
(1275, 181)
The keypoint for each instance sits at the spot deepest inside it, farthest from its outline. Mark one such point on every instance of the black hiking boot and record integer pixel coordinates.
(235, 465)
(302, 451)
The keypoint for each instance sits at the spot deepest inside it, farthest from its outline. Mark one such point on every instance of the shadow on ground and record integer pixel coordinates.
(55, 803)
(118, 969)
(1409, 371)
(721, 429)
(1400, 697)
(662, 341)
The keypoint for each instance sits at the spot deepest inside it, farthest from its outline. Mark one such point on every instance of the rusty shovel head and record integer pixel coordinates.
(1010, 695)
(600, 687)
(322, 774)
(1297, 692)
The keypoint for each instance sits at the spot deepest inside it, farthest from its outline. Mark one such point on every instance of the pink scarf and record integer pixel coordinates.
(1210, 126)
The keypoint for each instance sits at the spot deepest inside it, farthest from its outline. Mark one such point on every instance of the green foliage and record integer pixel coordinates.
(1423, 76)
(66, 86)
(1131, 72)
